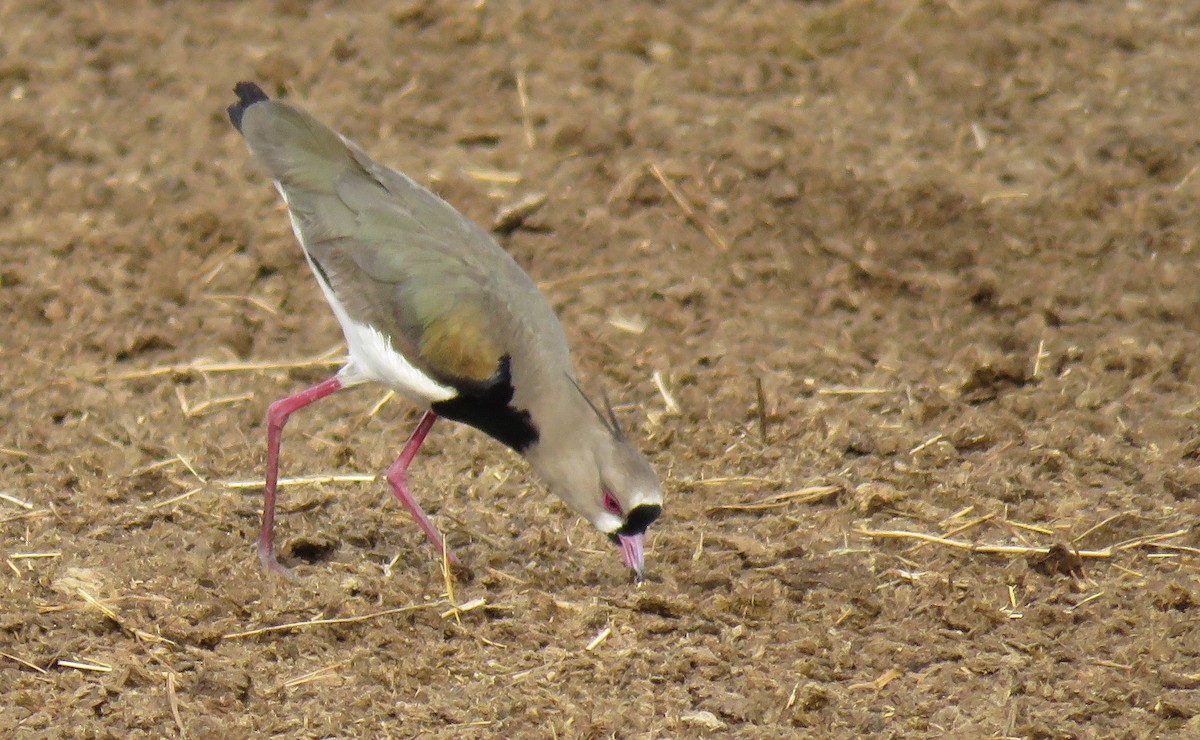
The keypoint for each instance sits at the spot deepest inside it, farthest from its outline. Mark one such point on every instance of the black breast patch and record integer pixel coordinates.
(487, 407)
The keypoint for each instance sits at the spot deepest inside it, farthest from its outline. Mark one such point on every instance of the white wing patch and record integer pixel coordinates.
(370, 356)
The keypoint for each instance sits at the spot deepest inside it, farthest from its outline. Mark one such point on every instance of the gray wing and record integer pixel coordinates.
(396, 255)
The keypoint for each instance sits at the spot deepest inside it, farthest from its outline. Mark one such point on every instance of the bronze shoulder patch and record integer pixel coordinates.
(458, 345)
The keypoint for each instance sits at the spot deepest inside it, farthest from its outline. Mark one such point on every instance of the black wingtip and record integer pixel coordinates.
(248, 94)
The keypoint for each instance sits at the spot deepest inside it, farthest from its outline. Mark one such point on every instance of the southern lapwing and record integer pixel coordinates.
(432, 308)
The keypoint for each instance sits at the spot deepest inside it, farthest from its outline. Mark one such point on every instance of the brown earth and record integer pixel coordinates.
(953, 242)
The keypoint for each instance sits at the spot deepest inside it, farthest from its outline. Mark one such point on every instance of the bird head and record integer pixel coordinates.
(592, 466)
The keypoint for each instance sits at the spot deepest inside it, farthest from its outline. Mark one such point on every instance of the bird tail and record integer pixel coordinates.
(299, 152)
(248, 94)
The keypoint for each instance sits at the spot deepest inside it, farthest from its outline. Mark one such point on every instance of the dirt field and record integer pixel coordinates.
(924, 267)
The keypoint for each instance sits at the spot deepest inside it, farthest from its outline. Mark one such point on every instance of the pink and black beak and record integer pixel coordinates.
(631, 536)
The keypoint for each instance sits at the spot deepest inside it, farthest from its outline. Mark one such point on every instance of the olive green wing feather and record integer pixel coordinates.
(396, 256)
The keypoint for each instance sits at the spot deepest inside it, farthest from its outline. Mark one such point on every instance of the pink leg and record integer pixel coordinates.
(277, 416)
(397, 477)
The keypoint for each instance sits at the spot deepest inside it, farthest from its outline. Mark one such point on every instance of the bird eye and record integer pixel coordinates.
(611, 504)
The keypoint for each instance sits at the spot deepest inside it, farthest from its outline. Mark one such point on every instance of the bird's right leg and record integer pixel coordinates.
(277, 416)
(397, 477)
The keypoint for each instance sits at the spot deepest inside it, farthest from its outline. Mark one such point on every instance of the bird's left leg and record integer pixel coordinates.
(277, 416)
(397, 477)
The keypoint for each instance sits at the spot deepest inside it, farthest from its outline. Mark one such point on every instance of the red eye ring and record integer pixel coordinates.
(611, 505)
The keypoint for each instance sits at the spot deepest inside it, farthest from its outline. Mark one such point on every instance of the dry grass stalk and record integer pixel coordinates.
(838, 390)
(111, 614)
(507, 576)
(79, 665)
(6, 496)
(1003, 195)
(173, 703)
(13, 452)
(448, 580)
(957, 530)
(511, 216)
(598, 639)
(523, 100)
(191, 469)
(1154, 540)
(668, 399)
(791, 700)
(635, 326)
(214, 265)
(1018, 533)
(23, 662)
(1178, 548)
(27, 515)
(156, 465)
(698, 219)
(303, 480)
(499, 177)
(176, 499)
(977, 133)
(972, 547)
(1101, 525)
(1029, 527)
(1128, 571)
(762, 408)
(205, 366)
(927, 443)
(1037, 359)
(34, 555)
(966, 525)
(387, 397)
(1011, 609)
(957, 515)
(1186, 178)
(527, 672)
(387, 567)
(477, 722)
(911, 576)
(493, 643)
(235, 298)
(704, 719)
(463, 608)
(585, 275)
(884, 679)
(208, 404)
(311, 676)
(1085, 600)
(323, 622)
(804, 495)
(726, 480)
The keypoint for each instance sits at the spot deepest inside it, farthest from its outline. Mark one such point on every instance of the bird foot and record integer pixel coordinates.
(266, 556)
(447, 553)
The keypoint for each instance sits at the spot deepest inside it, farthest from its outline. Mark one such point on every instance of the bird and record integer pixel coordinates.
(434, 309)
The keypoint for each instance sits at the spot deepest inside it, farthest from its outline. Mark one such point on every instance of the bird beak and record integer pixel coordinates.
(631, 551)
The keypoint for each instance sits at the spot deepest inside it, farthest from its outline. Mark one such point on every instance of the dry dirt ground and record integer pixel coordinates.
(902, 266)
